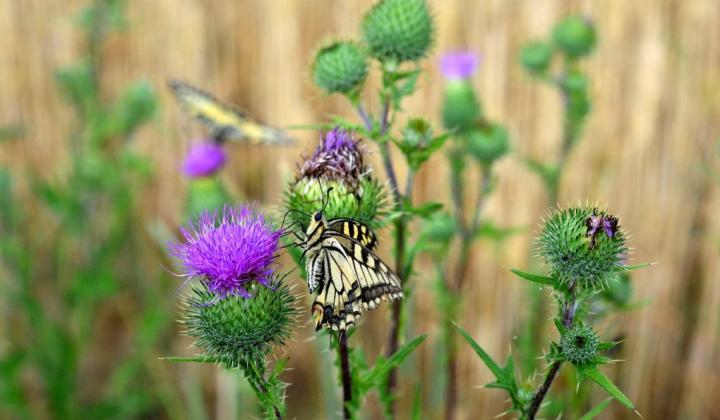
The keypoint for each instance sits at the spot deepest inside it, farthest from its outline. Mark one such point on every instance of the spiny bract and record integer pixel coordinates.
(236, 330)
(579, 344)
(400, 30)
(583, 246)
(340, 67)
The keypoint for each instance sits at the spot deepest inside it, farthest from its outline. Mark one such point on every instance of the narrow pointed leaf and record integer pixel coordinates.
(193, 359)
(636, 266)
(596, 410)
(609, 386)
(382, 367)
(535, 278)
(489, 362)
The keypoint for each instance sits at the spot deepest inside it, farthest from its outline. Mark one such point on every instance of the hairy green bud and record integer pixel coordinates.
(575, 36)
(363, 203)
(236, 330)
(583, 246)
(335, 175)
(398, 30)
(536, 56)
(487, 144)
(340, 67)
(460, 108)
(579, 344)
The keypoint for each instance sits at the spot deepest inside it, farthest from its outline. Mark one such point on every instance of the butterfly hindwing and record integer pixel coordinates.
(224, 121)
(350, 278)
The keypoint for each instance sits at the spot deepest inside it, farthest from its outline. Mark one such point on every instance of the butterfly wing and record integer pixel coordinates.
(350, 278)
(355, 231)
(224, 121)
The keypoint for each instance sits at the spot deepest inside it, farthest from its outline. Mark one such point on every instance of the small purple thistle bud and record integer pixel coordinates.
(595, 222)
(203, 159)
(610, 225)
(338, 157)
(459, 65)
(228, 250)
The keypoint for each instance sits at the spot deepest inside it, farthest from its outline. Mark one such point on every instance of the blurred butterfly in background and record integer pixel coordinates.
(344, 272)
(224, 121)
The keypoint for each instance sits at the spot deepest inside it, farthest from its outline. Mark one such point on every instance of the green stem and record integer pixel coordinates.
(568, 317)
(255, 373)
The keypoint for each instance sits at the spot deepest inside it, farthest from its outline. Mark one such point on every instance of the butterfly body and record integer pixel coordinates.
(344, 272)
(224, 121)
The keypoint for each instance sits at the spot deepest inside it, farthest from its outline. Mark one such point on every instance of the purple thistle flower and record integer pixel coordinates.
(338, 157)
(595, 222)
(203, 159)
(228, 250)
(459, 65)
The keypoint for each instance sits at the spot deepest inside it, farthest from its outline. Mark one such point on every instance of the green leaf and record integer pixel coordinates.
(535, 278)
(488, 230)
(605, 382)
(596, 410)
(498, 371)
(425, 210)
(382, 367)
(193, 359)
(279, 367)
(417, 404)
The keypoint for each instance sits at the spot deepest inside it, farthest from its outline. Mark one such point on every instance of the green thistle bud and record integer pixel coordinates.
(583, 246)
(336, 163)
(460, 109)
(488, 144)
(362, 204)
(340, 67)
(579, 345)
(398, 30)
(575, 36)
(536, 56)
(236, 330)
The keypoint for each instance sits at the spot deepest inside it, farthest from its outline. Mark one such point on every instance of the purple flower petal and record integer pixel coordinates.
(338, 157)
(203, 159)
(228, 249)
(459, 65)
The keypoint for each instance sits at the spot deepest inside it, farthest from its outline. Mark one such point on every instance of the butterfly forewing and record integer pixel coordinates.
(224, 121)
(354, 230)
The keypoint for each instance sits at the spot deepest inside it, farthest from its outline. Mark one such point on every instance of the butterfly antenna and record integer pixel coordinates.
(327, 199)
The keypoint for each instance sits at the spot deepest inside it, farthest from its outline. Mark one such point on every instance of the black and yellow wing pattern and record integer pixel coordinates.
(346, 274)
(224, 121)
(354, 230)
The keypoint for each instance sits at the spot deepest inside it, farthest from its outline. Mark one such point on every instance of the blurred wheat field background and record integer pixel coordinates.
(648, 152)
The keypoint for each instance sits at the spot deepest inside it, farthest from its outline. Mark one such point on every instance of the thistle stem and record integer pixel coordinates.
(346, 376)
(568, 316)
(255, 376)
(466, 232)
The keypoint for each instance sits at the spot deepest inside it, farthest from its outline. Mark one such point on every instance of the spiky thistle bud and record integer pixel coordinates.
(575, 36)
(488, 143)
(536, 56)
(583, 246)
(336, 163)
(460, 108)
(237, 330)
(340, 67)
(398, 30)
(579, 344)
